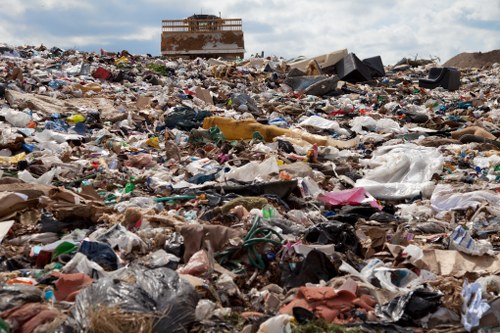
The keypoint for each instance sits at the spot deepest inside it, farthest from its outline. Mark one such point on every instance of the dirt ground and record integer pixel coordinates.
(477, 59)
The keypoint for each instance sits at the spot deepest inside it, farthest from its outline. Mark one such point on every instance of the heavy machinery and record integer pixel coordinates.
(204, 36)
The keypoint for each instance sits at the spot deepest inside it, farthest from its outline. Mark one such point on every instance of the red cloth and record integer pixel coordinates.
(28, 317)
(102, 74)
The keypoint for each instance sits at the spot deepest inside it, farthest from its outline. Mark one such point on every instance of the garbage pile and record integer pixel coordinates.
(329, 194)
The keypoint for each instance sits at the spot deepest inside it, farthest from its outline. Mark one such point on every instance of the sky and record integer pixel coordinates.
(392, 29)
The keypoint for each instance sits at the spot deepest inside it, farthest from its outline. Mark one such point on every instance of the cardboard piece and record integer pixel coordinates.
(204, 95)
(11, 203)
(324, 60)
(454, 263)
(143, 102)
(4, 228)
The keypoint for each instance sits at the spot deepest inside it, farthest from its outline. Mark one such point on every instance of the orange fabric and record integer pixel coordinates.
(69, 285)
(330, 304)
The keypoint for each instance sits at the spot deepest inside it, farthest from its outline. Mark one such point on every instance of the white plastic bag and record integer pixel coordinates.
(323, 123)
(401, 171)
(473, 306)
(446, 197)
(255, 170)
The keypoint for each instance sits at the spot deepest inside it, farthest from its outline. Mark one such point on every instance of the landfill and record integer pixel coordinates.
(263, 195)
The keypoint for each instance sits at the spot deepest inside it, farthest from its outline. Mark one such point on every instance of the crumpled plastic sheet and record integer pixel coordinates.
(401, 171)
(323, 123)
(138, 289)
(254, 170)
(355, 196)
(445, 198)
(410, 306)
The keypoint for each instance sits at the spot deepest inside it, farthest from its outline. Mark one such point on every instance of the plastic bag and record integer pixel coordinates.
(119, 236)
(473, 306)
(81, 264)
(255, 170)
(45, 179)
(359, 123)
(17, 118)
(322, 123)
(401, 171)
(410, 307)
(355, 196)
(138, 289)
(341, 234)
(446, 197)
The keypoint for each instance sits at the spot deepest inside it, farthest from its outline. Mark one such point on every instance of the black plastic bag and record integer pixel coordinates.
(137, 289)
(314, 268)
(341, 234)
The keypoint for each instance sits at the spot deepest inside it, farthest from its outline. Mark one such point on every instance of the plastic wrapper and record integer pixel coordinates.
(141, 290)
(473, 306)
(198, 264)
(401, 171)
(81, 264)
(119, 236)
(461, 240)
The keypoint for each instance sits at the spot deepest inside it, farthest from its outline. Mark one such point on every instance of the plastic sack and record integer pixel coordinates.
(401, 171)
(138, 289)
(473, 306)
(446, 197)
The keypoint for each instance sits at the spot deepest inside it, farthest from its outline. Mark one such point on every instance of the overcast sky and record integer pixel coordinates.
(390, 28)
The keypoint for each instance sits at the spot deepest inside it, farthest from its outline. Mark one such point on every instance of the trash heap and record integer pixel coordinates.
(328, 194)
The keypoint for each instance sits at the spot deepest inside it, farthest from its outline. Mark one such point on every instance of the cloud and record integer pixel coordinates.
(392, 29)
